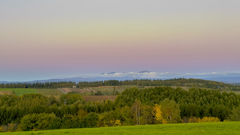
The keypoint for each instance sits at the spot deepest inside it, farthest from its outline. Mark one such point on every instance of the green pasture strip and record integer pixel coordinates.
(19, 91)
(218, 128)
(49, 91)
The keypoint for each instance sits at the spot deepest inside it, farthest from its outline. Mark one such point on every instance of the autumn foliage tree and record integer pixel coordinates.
(158, 114)
(170, 111)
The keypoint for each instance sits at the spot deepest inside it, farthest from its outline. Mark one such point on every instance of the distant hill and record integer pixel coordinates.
(3, 82)
(118, 81)
(232, 78)
(74, 79)
(225, 79)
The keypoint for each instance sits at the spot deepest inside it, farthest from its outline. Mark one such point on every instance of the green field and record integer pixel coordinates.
(106, 90)
(19, 91)
(219, 128)
(48, 92)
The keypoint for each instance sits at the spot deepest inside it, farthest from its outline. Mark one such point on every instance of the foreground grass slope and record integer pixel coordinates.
(218, 128)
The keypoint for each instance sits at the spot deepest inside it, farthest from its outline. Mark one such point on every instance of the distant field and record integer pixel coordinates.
(49, 92)
(106, 90)
(85, 91)
(19, 91)
(219, 128)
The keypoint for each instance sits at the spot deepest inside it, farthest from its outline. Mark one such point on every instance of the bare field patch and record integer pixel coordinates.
(6, 92)
(82, 91)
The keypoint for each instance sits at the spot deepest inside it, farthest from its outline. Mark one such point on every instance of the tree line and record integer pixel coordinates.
(181, 82)
(193, 102)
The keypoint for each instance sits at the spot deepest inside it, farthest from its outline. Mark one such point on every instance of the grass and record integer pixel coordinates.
(48, 92)
(19, 91)
(218, 128)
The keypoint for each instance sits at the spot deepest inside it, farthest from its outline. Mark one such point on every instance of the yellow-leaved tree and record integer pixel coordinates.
(158, 114)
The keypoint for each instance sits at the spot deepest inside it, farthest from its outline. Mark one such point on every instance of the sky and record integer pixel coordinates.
(56, 38)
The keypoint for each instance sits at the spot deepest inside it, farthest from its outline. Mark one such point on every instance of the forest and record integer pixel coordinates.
(156, 105)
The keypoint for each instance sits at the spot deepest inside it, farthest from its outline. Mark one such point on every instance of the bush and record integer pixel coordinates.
(11, 127)
(70, 121)
(210, 119)
(204, 119)
(235, 115)
(194, 120)
(90, 120)
(39, 122)
(70, 98)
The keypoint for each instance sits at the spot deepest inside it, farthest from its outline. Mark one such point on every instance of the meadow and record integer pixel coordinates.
(49, 92)
(216, 128)
(19, 91)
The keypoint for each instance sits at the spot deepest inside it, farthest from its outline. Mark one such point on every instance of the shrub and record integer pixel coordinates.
(194, 120)
(39, 122)
(235, 115)
(70, 98)
(90, 120)
(204, 119)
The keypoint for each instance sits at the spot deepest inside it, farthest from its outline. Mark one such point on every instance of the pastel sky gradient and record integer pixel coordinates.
(50, 38)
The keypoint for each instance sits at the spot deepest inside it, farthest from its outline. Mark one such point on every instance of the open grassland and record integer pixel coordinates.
(218, 128)
(49, 92)
(19, 91)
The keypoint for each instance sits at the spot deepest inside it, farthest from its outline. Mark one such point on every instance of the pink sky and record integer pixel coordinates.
(124, 36)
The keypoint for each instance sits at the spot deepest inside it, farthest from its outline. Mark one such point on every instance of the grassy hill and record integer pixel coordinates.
(218, 128)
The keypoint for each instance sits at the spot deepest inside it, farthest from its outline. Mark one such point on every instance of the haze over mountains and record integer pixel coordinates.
(145, 74)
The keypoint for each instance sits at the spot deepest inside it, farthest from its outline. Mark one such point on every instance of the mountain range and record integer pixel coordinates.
(145, 74)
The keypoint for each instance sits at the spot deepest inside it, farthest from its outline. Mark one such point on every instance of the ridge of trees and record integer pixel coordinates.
(193, 103)
(181, 82)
